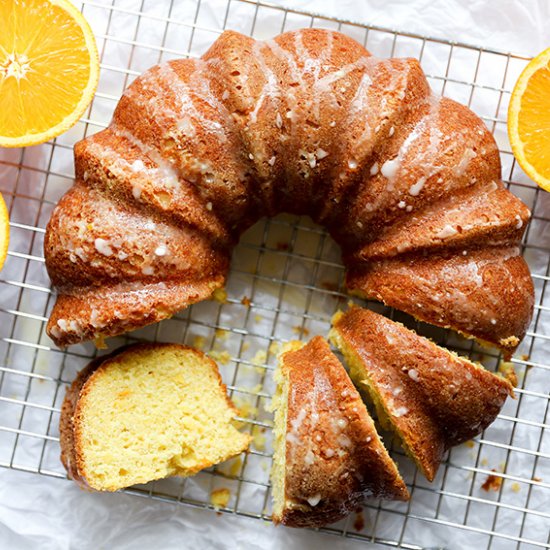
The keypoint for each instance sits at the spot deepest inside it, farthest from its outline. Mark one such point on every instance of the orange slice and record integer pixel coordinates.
(49, 69)
(4, 231)
(529, 120)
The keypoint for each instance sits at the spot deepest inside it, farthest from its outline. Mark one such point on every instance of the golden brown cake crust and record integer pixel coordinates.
(110, 310)
(334, 457)
(433, 398)
(309, 123)
(461, 221)
(483, 292)
(118, 269)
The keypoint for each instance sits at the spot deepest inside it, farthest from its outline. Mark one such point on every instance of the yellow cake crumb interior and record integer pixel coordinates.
(279, 448)
(152, 414)
(360, 378)
(279, 405)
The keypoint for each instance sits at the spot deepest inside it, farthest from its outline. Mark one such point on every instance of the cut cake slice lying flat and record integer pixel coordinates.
(147, 412)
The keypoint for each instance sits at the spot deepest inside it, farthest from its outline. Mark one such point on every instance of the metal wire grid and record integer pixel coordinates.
(285, 283)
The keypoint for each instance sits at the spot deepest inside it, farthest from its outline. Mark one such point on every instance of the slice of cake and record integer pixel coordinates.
(432, 398)
(328, 456)
(147, 412)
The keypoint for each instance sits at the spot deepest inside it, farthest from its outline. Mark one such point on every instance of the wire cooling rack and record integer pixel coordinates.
(285, 283)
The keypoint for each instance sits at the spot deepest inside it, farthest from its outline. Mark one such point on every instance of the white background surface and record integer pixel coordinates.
(39, 512)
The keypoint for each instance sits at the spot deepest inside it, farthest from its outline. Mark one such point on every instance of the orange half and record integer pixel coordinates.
(4, 231)
(49, 69)
(529, 120)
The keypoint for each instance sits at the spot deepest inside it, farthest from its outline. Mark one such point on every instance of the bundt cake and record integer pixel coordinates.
(408, 183)
(432, 398)
(144, 413)
(328, 456)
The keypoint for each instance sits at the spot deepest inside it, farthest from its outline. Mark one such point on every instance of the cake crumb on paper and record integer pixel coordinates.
(359, 522)
(221, 334)
(300, 330)
(259, 360)
(282, 246)
(245, 408)
(222, 357)
(231, 467)
(219, 498)
(236, 465)
(492, 483)
(258, 436)
(199, 342)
